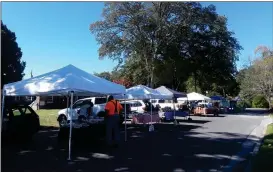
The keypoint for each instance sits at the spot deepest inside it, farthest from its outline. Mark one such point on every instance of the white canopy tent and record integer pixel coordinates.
(141, 92)
(61, 81)
(173, 94)
(68, 80)
(195, 97)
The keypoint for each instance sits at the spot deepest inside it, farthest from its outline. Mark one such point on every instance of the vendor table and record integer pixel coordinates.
(170, 115)
(146, 118)
(93, 127)
(204, 111)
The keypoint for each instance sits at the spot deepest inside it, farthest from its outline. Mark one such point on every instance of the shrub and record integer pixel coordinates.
(259, 102)
(244, 104)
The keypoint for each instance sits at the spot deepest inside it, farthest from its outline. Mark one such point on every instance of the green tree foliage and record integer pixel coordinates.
(105, 75)
(258, 78)
(259, 101)
(165, 43)
(12, 68)
(244, 104)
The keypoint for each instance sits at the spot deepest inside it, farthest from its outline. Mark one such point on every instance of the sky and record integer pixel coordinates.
(55, 34)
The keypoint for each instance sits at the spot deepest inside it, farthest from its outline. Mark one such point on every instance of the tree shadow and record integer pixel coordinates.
(211, 116)
(252, 112)
(195, 121)
(168, 148)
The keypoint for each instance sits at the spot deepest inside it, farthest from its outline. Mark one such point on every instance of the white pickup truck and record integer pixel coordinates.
(164, 103)
(98, 108)
(64, 114)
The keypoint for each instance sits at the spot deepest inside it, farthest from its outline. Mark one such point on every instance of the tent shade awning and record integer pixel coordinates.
(195, 97)
(217, 98)
(61, 81)
(141, 92)
(170, 92)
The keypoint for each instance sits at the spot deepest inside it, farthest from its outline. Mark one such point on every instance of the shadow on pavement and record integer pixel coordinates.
(195, 121)
(210, 115)
(253, 112)
(168, 148)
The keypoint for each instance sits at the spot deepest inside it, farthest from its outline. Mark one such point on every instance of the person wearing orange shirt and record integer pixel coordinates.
(112, 109)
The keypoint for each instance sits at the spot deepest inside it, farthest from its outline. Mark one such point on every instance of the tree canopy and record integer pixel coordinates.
(12, 67)
(169, 43)
(257, 79)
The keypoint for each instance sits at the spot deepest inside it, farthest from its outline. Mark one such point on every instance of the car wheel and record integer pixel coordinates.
(62, 120)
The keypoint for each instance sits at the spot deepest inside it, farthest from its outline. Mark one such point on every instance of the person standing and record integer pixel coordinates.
(112, 109)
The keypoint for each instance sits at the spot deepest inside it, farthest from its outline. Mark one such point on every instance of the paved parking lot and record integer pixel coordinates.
(204, 144)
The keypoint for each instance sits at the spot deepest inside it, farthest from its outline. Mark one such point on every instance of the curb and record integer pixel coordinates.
(249, 147)
(257, 147)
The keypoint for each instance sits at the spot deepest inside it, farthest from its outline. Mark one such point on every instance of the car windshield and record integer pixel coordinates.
(100, 100)
(17, 111)
(77, 104)
(161, 101)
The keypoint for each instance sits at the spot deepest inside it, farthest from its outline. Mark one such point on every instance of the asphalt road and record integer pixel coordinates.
(205, 144)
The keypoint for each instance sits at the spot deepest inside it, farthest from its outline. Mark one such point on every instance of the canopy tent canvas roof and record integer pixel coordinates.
(142, 92)
(170, 92)
(195, 96)
(61, 81)
(217, 98)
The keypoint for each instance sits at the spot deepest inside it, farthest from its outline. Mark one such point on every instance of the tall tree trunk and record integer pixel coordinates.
(195, 82)
(269, 102)
(152, 77)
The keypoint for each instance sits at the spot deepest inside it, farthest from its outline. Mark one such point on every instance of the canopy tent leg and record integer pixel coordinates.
(151, 127)
(67, 103)
(189, 117)
(70, 129)
(2, 110)
(125, 120)
(175, 121)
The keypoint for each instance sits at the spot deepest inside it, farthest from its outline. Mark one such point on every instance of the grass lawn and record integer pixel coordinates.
(48, 117)
(264, 159)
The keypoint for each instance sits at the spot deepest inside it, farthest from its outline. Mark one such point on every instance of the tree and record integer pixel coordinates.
(123, 82)
(115, 77)
(12, 67)
(259, 102)
(105, 75)
(259, 77)
(169, 41)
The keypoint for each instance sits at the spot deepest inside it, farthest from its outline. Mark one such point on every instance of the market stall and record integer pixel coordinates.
(198, 103)
(195, 97)
(67, 81)
(223, 103)
(174, 95)
(141, 92)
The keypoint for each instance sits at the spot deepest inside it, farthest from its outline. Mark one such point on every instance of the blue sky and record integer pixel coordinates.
(55, 34)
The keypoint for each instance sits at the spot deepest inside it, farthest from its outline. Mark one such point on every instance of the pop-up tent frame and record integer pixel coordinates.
(141, 92)
(173, 94)
(66, 81)
(193, 96)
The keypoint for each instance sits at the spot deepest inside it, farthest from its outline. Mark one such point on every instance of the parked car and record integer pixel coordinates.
(98, 110)
(137, 106)
(161, 103)
(20, 121)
